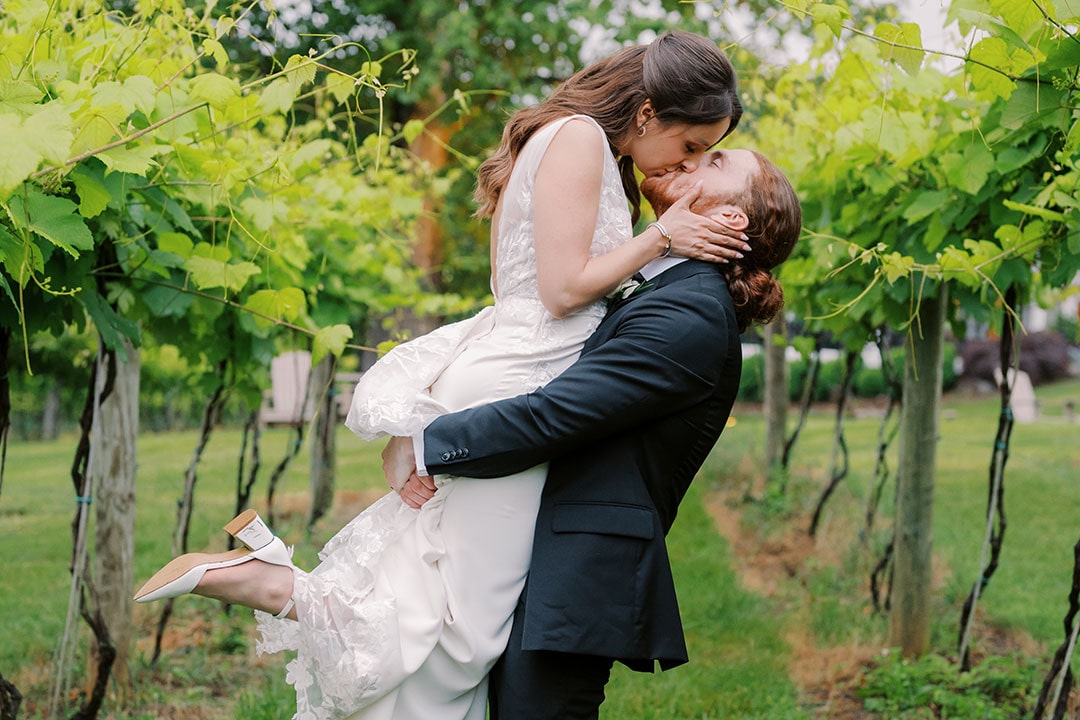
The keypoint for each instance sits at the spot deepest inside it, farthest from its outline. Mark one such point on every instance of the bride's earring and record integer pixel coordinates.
(641, 130)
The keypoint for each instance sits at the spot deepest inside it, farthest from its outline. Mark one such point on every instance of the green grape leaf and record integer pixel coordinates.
(1020, 15)
(896, 266)
(300, 71)
(214, 252)
(11, 253)
(936, 231)
(907, 34)
(160, 261)
(968, 171)
(804, 344)
(1032, 102)
(110, 324)
(17, 255)
(1023, 243)
(341, 87)
(372, 69)
(49, 131)
(285, 304)
(94, 197)
(990, 84)
(330, 340)
(386, 346)
(136, 158)
(831, 16)
(925, 202)
(225, 25)
(217, 51)
(165, 301)
(54, 218)
(19, 158)
(1066, 11)
(1072, 140)
(310, 153)
(135, 93)
(20, 98)
(7, 291)
(261, 211)
(175, 243)
(277, 97)
(216, 90)
(45, 135)
(208, 273)
(412, 130)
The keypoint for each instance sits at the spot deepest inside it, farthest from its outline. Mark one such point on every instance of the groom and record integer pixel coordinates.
(625, 428)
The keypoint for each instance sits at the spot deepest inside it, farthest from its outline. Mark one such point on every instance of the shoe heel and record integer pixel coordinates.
(249, 528)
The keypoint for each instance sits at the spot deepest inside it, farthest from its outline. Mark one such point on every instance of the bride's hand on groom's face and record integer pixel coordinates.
(717, 237)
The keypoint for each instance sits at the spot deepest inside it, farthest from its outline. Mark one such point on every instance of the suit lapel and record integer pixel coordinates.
(674, 274)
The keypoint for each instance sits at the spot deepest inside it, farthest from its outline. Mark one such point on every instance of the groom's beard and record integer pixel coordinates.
(657, 190)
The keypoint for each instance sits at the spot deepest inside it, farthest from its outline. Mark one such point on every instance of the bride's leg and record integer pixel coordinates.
(256, 584)
(259, 575)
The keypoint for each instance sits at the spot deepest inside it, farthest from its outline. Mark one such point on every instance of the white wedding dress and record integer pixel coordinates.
(409, 609)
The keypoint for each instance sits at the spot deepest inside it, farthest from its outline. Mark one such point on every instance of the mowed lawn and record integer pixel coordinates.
(1029, 590)
(738, 666)
(739, 660)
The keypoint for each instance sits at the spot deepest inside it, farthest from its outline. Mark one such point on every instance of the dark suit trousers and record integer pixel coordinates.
(544, 684)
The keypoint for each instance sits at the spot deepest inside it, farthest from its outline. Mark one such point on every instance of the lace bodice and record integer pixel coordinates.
(515, 255)
(518, 342)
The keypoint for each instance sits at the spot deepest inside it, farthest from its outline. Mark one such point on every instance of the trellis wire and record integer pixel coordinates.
(1063, 673)
(65, 652)
(1059, 678)
(894, 390)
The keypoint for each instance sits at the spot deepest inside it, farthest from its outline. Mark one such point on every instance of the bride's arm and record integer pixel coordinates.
(565, 207)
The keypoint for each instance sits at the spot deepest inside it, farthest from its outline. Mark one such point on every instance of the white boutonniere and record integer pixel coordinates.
(627, 289)
(630, 287)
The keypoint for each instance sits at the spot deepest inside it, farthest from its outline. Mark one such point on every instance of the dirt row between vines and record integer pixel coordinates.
(777, 567)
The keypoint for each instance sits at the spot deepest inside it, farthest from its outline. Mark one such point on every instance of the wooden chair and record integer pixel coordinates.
(286, 402)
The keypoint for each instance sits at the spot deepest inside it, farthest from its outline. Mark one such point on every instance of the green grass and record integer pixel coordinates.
(737, 665)
(1042, 503)
(739, 660)
(37, 508)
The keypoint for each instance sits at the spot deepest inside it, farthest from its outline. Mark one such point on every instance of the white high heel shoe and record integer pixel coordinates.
(182, 574)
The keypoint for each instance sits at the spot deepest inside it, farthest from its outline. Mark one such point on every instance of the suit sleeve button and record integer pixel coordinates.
(446, 457)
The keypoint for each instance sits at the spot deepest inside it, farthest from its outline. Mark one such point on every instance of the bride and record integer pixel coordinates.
(409, 609)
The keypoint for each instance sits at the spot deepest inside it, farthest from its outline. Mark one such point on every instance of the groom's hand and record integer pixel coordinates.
(418, 490)
(398, 462)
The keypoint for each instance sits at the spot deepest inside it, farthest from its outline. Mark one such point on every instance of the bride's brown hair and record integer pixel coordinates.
(687, 78)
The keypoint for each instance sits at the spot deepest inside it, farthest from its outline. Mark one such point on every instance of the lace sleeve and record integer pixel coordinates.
(392, 397)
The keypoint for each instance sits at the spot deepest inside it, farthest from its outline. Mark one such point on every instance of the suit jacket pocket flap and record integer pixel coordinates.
(626, 520)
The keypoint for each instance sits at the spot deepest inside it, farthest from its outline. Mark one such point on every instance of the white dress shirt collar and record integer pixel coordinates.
(659, 265)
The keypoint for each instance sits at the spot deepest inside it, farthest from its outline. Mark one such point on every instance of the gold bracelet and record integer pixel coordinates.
(664, 234)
